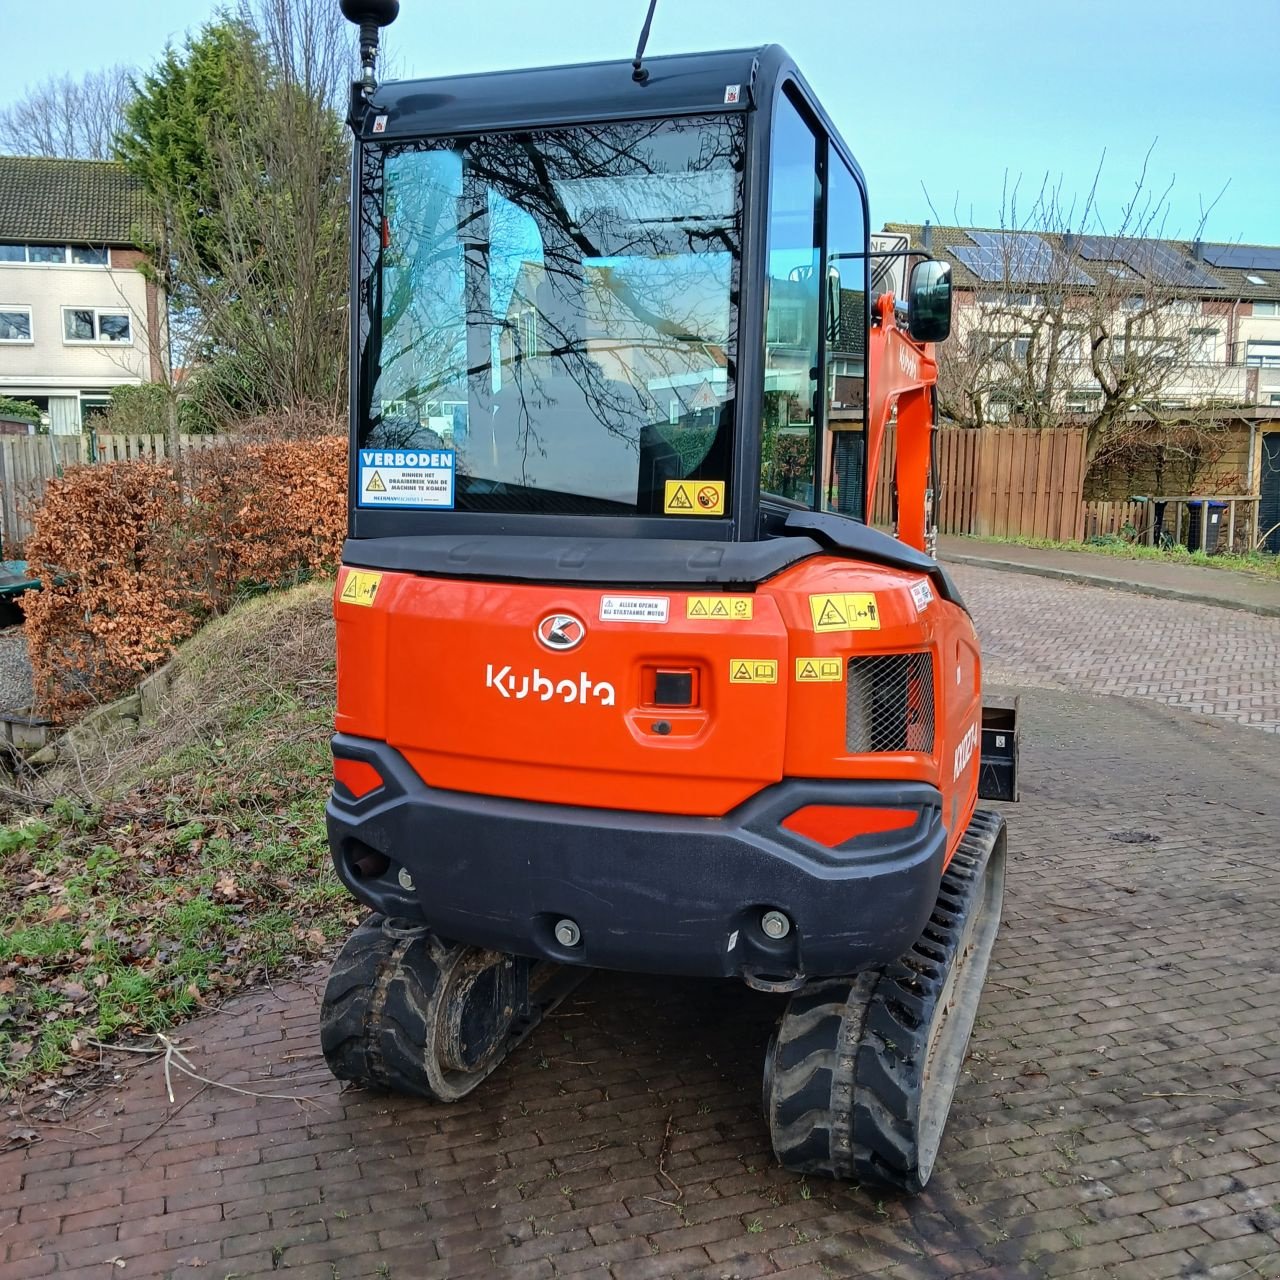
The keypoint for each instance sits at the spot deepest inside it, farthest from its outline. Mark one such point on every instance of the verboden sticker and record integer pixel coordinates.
(406, 478)
(634, 608)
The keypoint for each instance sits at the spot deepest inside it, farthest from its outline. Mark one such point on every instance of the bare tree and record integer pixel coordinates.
(66, 117)
(259, 307)
(1096, 326)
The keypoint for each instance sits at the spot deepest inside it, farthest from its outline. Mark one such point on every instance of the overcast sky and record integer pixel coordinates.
(937, 95)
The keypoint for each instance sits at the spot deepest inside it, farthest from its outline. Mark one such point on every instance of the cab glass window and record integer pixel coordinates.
(789, 447)
(845, 384)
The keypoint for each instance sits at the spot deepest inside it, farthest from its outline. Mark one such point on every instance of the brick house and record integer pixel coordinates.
(1217, 336)
(78, 316)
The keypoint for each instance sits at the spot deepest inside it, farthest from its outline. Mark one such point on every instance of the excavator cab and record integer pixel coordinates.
(625, 678)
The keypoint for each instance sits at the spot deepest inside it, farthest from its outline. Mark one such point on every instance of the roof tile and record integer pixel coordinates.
(86, 201)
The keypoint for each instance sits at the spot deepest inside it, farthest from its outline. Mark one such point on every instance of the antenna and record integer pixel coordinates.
(369, 16)
(638, 73)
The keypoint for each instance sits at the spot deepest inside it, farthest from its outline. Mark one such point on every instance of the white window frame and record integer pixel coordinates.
(1082, 402)
(1268, 358)
(31, 326)
(1266, 309)
(1198, 341)
(97, 340)
(67, 260)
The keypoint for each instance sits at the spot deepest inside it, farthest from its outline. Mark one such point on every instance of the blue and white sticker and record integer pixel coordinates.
(406, 478)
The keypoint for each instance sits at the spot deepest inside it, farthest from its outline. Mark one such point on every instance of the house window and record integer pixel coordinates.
(1086, 402)
(1202, 347)
(1262, 355)
(1000, 408)
(90, 324)
(528, 333)
(92, 407)
(1255, 280)
(15, 324)
(1266, 308)
(57, 255)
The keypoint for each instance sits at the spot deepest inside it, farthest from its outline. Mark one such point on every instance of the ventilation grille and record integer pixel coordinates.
(890, 703)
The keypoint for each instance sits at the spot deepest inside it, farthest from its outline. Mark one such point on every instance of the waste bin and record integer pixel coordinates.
(1213, 528)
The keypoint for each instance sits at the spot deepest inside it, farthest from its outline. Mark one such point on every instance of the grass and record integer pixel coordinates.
(165, 872)
(1259, 563)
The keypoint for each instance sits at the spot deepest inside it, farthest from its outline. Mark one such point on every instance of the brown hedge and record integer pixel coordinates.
(133, 559)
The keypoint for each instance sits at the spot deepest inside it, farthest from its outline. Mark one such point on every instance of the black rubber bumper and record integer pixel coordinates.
(648, 892)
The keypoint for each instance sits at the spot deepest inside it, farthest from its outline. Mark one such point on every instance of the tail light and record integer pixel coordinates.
(834, 825)
(358, 776)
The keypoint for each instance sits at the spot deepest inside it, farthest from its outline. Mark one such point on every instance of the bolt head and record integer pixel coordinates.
(775, 925)
(405, 879)
(568, 934)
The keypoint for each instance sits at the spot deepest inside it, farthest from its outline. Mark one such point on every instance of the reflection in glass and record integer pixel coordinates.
(846, 380)
(788, 448)
(559, 308)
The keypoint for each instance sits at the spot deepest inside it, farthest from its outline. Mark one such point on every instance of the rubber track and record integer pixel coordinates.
(372, 1025)
(843, 1071)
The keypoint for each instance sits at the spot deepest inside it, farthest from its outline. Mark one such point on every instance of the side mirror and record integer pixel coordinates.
(929, 302)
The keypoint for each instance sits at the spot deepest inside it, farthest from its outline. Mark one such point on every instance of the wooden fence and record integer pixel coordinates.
(28, 463)
(1001, 482)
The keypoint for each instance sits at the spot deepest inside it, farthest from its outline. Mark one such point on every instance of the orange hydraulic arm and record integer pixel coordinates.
(904, 373)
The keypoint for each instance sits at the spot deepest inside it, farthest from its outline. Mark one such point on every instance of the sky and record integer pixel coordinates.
(946, 104)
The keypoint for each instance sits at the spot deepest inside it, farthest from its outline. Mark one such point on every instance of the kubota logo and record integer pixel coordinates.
(544, 688)
(561, 632)
(909, 362)
(964, 752)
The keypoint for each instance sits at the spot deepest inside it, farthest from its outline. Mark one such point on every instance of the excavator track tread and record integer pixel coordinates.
(860, 1071)
(383, 1012)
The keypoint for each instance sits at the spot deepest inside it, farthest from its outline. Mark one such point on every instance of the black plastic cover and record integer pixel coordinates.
(604, 561)
(679, 84)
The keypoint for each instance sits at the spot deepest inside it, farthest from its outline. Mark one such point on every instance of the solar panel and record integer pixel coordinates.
(1242, 257)
(1171, 267)
(1017, 256)
(1156, 260)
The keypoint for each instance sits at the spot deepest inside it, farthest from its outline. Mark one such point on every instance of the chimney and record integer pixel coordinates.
(1197, 250)
(926, 237)
(1068, 242)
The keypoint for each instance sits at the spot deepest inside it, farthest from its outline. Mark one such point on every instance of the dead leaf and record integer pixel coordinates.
(23, 1135)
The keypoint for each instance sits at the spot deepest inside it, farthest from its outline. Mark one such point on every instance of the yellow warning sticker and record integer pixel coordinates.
(693, 498)
(816, 670)
(753, 671)
(375, 484)
(847, 611)
(720, 608)
(359, 588)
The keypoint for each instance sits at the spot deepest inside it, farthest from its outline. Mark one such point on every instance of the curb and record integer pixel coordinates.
(1116, 584)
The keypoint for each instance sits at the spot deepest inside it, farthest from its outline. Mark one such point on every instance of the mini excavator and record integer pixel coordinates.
(626, 677)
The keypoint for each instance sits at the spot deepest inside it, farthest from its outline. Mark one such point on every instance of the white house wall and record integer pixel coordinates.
(48, 364)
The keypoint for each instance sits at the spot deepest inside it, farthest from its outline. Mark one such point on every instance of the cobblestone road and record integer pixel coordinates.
(1120, 1113)
(1219, 662)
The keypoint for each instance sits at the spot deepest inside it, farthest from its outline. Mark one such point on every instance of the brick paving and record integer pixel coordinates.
(1195, 657)
(1119, 1116)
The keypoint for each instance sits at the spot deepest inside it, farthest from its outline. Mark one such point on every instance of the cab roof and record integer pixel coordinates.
(678, 84)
